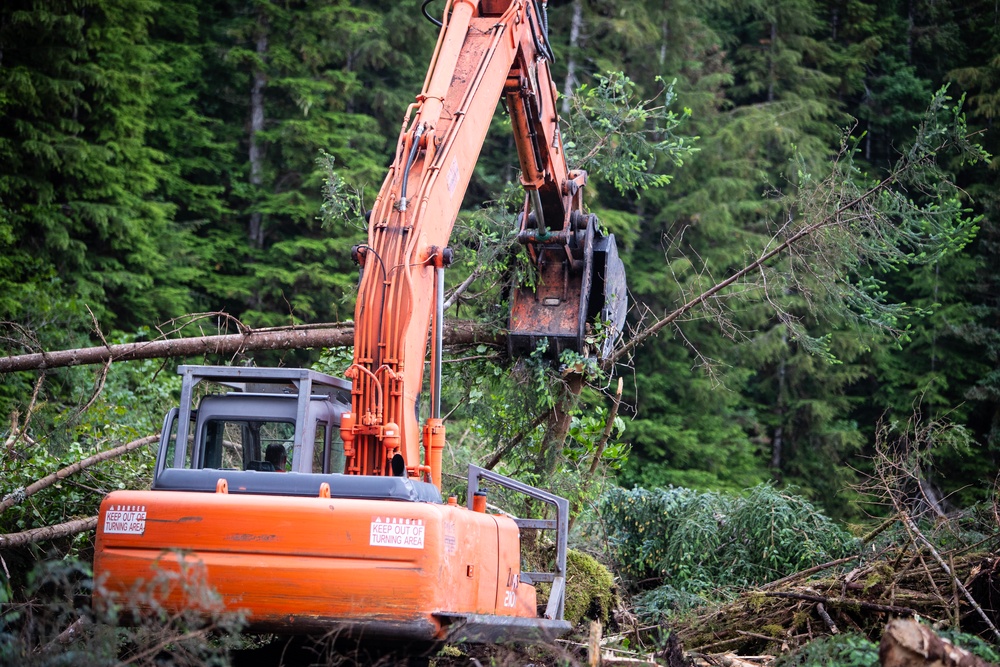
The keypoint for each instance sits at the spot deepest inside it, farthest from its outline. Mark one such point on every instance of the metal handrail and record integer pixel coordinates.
(557, 597)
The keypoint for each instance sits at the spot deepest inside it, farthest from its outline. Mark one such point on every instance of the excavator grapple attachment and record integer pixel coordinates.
(578, 301)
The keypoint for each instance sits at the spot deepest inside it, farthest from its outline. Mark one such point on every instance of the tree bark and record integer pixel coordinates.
(574, 40)
(559, 419)
(906, 643)
(256, 152)
(12, 499)
(47, 532)
(456, 334)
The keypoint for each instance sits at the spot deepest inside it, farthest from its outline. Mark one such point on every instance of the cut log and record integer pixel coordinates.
(48, 532)
(907, 643)
(456, 334)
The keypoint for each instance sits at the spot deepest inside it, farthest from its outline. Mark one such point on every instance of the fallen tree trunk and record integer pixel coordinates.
(907, 643)
(47, 532)
(18, 495)
(456, 334)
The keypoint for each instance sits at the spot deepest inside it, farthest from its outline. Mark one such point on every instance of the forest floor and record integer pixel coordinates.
(955, 591)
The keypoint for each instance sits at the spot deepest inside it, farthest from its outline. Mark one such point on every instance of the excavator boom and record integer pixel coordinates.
(488, 50)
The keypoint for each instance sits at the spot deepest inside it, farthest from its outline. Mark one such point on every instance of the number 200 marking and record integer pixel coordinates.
(509, 599)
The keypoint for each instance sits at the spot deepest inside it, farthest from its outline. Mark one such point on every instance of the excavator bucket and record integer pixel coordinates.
(579, 299)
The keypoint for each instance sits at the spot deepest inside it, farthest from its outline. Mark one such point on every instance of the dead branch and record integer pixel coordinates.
(912, 527)
(19, 495)
(762, 260)
(805, 573)
(608, 426)
(842, 602)
(502, 451)
(70, 634)
(598, 451)
(47, 532)
(821, 610)
(156, 648)
(461, 289)
(18, 432)
(456, 333)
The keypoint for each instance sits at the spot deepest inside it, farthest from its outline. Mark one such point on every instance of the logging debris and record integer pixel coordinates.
(901, 583)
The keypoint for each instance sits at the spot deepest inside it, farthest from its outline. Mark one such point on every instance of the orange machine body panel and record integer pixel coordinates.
(294, 564)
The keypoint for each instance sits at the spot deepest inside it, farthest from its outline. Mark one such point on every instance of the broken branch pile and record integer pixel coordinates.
(900, 582)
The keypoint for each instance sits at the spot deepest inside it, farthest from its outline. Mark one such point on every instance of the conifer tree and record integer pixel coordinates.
(80, 228)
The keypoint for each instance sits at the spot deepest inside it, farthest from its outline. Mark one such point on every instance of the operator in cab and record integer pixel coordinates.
(276, 455)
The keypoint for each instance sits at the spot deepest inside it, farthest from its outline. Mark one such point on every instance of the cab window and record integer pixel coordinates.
(168, 459)
(239, 444)
(320, 454)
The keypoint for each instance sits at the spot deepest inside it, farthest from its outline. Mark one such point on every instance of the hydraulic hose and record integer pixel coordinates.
(419, 132)
(423, 8)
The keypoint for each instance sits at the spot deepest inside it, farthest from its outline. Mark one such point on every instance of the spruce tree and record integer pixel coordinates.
(81, 227)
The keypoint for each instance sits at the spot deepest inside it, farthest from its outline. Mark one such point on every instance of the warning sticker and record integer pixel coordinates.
(125, 519)
(389, 531)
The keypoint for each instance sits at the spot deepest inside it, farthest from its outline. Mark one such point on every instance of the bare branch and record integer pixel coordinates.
(608, 427)
(789, 243)
(839, 602)
(502, 451)
(47, 532)
(12, 499)
(18, 432)
(912, 528)
(460, 290)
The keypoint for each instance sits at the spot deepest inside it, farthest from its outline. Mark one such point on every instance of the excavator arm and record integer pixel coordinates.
(487, 50)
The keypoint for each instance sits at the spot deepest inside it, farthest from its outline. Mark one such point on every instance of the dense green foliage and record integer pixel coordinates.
(846, 650)
(693, 544)
(159, 157)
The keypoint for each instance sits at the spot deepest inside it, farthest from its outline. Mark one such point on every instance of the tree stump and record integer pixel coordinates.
(906, 643)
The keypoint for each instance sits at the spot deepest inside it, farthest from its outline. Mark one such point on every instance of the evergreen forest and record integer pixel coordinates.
(178, 168)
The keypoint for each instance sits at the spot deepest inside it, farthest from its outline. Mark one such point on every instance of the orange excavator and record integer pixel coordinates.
(355, 536)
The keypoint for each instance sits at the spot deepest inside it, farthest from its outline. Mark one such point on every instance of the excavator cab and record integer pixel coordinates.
(231, 430)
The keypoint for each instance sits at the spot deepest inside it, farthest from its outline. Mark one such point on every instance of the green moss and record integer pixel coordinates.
(773, 630)
(880, 574)
(589, 589)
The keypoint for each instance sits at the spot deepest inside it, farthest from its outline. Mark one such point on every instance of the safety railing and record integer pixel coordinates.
(556, 604)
